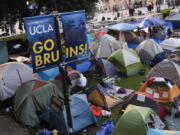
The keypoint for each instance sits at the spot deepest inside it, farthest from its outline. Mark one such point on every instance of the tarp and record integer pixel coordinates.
(148, 21)
(122, 27)
(172, 121)
(162, 132)
(158, 58)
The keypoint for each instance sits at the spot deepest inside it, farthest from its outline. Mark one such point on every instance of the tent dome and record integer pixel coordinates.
(101, 68)
(133, 121)
(31, 97)
(105, 45)
(169, 69)
(127, 61)
(12, 75)
(170, 44)
(147, 50)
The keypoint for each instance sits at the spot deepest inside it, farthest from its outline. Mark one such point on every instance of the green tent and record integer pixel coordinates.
(31, 97)
(4, 52)
(133, 121)
(126, 60)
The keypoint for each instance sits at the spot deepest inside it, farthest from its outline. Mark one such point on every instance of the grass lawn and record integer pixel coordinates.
(133, 82)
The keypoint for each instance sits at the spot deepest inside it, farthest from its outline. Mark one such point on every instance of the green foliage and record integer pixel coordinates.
(12, 10)
(165, 12)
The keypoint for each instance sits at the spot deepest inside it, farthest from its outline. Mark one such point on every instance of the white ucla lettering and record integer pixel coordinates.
(50, 28)
(32, 33)
(39, 29)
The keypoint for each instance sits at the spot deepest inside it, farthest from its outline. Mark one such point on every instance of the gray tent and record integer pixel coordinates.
(105, 45)
(101, 68)
(173, 18)
(169, 69)
(147, 50)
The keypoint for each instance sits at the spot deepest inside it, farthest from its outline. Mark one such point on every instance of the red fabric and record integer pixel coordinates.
(150, 81)
(59, 76)
(121, 91)
(163, 111)
(100, 34)
(144, 34)
(96, 111)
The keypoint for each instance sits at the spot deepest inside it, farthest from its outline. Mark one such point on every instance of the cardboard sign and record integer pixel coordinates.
(141, 98)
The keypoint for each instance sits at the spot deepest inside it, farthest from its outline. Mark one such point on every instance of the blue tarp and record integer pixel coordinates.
(90, 38)
(161, 132)
(157, 40)
(158, 58)
(122, 27)
(106, 128)
(148, 21)
(133, 45)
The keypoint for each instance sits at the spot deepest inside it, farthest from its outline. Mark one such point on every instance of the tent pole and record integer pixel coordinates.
(65, 79)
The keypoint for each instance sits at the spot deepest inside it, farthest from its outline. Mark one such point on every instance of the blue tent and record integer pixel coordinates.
(148, 21)
(122, 27)
(162, 132)
(81, 113)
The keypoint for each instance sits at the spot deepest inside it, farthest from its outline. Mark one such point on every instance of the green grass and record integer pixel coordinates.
(19, 37)
(165, 12)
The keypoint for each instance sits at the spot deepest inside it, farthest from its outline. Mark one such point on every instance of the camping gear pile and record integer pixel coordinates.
(39, 99)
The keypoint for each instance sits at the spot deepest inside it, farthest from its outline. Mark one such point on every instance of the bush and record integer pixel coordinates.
(165, 12)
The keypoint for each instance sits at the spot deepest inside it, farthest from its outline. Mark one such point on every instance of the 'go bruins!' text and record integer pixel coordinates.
(47, 46)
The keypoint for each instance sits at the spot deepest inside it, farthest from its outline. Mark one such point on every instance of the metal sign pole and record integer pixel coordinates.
(65, 78)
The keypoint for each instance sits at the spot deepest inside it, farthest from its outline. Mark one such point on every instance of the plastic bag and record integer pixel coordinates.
(106, 128)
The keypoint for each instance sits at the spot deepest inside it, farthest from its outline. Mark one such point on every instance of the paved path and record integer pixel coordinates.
(9, 127)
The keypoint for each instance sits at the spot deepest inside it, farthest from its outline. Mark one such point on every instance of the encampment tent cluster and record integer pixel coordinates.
(122, 52)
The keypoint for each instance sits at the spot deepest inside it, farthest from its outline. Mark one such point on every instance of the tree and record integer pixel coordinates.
(11, 10)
